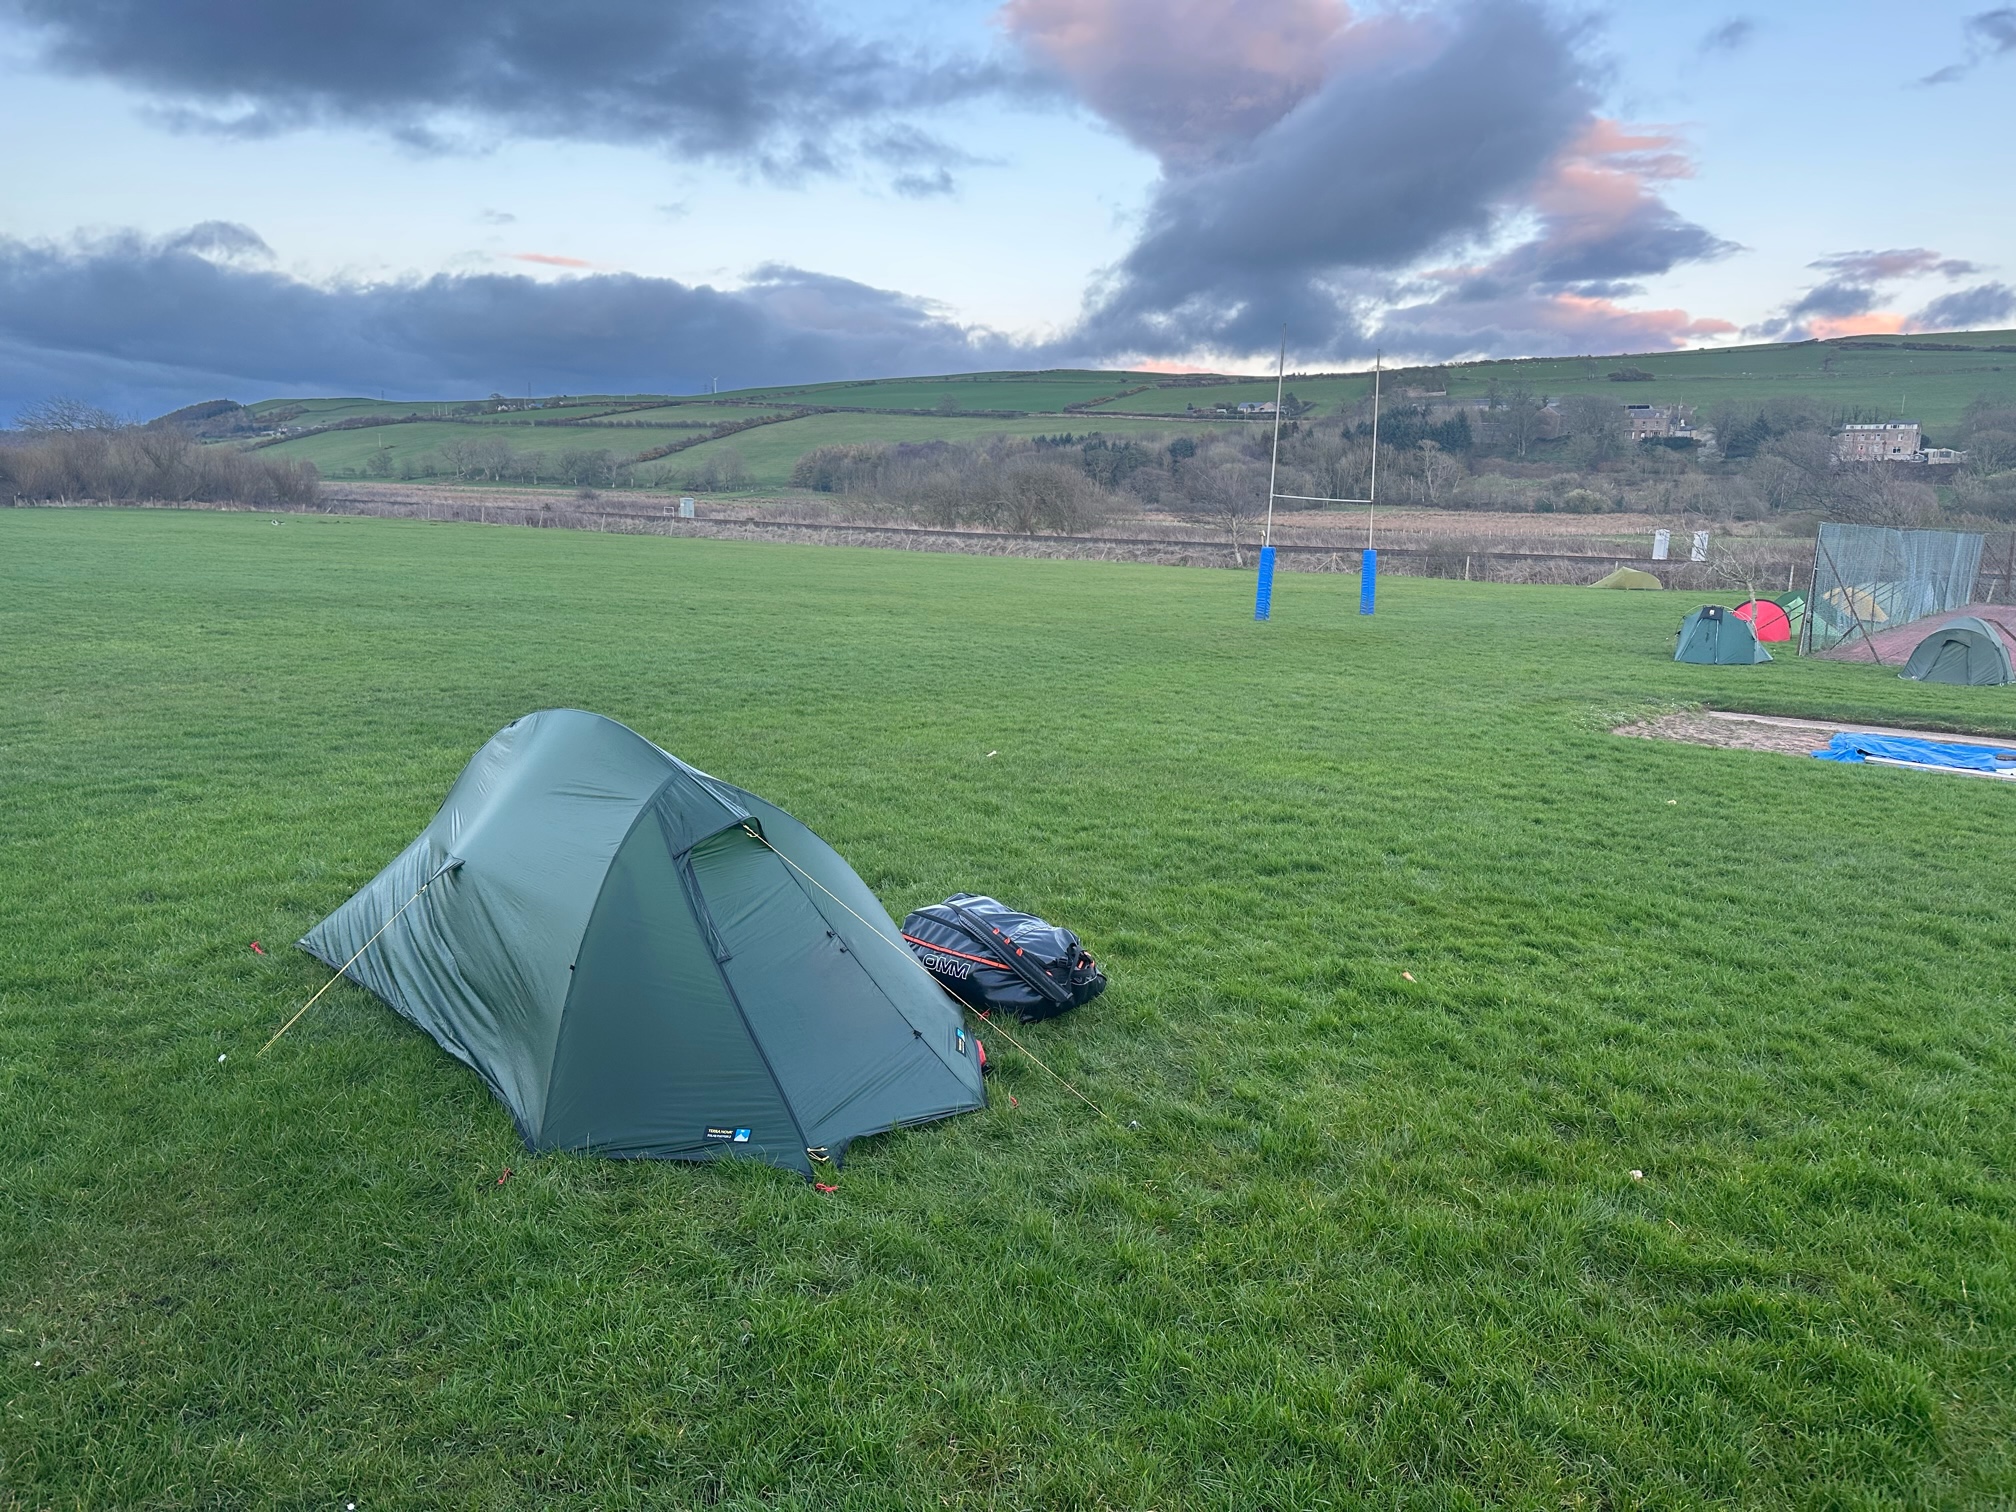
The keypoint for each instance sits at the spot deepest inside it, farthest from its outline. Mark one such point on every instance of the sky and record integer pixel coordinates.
(221, 198)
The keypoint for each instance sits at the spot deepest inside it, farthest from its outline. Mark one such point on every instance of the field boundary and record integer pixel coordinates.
(1460, 563)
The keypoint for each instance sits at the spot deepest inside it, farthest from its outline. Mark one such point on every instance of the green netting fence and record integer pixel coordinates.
(1868, 578)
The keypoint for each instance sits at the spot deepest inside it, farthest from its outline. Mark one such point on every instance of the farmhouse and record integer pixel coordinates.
(1893, 441)
(1650, 422)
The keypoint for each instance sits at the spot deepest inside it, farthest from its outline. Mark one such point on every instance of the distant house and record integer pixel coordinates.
(1894, 441)
(1943, 456)
(1659, 422)
(1252, 408)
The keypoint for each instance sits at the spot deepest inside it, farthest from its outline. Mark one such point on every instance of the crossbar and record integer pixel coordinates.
(1312, 499)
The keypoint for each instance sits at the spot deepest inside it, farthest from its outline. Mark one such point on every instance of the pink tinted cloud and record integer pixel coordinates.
(1540, 325)
(1875, 323)
(551, 260)
(1186, 79)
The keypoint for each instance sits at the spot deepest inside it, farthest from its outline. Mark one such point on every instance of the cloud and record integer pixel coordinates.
(1982, 307)
(551, 260)
(923, 185)
(769, 84)
(1986, 35)
(1730, 37)
(226, 241)
(1315, 163)
(497, 218)
(1185, 79)
(144, 324)
(1845, 303)
(1899, 262)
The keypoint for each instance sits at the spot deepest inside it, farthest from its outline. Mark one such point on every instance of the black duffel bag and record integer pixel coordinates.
(993, 958)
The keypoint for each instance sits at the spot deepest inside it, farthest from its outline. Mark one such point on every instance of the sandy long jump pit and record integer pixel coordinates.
(1796, 737)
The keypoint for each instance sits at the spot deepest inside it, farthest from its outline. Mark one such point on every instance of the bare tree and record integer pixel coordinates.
(1225, 489)
(61, 416)
(1873, 494)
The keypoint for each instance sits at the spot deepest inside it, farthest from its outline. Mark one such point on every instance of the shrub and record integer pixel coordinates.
(134, 463)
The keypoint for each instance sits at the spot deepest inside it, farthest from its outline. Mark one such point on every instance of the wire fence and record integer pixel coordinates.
(1868, 578)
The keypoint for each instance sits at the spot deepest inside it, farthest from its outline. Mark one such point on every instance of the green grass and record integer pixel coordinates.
(1349, 1239)
(1029, 392)
(771, 450)
(342, 454)
(1931, 387)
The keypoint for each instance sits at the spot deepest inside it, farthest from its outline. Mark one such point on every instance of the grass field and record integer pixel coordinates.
(1034, 391)
(342, 454)
(772, 450)
(1933, 387)
(1347, 1239)
(769, 450)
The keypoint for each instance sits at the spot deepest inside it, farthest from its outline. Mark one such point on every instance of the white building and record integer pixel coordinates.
(1893, 441)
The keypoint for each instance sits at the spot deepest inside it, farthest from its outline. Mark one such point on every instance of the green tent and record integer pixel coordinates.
(1794, 605)
(1714, 635)
(1628, 577)
(1966, 651)
(640, 960)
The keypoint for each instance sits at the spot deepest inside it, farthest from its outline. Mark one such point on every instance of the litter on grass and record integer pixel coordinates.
(1920, 750)
(1928, 755)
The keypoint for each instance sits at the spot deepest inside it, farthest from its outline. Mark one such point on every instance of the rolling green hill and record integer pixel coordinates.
(1930, 379)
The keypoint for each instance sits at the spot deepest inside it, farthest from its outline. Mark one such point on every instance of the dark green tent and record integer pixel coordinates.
(641, 960)
(1966, 651)
(1714, 635)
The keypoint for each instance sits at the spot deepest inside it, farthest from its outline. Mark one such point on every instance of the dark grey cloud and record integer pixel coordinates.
(1429, 135)
(769, 83)
(1985, 35)
(1730, 37)
(1370, 172)
(144, 324)
(1981, 307)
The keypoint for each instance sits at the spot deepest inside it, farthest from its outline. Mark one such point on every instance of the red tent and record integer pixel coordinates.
(1767, 619)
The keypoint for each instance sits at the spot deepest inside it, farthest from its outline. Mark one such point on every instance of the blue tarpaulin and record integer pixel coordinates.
(1851, 746)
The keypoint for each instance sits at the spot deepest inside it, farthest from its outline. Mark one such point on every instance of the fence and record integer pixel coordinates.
(1868, 578)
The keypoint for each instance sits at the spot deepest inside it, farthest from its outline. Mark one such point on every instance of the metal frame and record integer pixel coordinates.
(1274, 467)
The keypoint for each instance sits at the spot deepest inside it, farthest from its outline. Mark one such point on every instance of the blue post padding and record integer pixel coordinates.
(1263, 596)
(1368, 589)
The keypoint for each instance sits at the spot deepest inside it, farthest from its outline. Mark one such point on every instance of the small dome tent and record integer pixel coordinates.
(1713, 635)
(1767, 618)
(1966, 651)
(1630, 578)
(641, 960)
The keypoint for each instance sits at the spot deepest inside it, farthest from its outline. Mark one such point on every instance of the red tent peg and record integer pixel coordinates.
(257, 948)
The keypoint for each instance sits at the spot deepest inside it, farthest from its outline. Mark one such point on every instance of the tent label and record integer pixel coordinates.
(728, 1135)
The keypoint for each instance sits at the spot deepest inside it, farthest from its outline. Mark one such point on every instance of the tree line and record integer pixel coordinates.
(63, 449)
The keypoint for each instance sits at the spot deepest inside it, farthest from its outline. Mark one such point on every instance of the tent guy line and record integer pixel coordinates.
(453, 862)
(993, 1024)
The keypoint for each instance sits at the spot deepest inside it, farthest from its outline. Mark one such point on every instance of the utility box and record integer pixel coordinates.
(685, 509)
